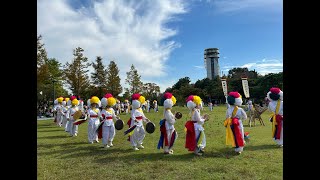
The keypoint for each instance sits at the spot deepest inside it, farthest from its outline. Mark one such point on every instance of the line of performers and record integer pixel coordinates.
(102, 124)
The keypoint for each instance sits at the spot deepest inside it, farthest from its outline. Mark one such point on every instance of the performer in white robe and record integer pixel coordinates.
(275, 97)
(234, 117)
(195, 141)
(137, 116)
(93, 119)
(59, 109)
(108, 115)
(64, 112)
(168, 133)
(73, 129)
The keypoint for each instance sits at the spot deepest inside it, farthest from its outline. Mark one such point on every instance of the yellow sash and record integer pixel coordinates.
(274, 122)
(229, 133)
(95, 110)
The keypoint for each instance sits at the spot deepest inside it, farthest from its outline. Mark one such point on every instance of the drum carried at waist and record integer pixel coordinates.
(79, 117)
(178, 115)
(119, 124)
(150, 127)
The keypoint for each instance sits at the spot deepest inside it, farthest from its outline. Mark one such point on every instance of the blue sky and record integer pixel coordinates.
(165, 39)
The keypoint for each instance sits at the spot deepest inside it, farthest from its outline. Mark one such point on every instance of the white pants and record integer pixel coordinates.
(92, 127)
(73, 129)
(198, 128)
(203, 142)
(59, 119)
(64, 122)
(108, 133)
(169, 135)
(137, 136)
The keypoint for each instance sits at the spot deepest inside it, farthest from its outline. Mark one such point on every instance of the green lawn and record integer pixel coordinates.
(60, 156)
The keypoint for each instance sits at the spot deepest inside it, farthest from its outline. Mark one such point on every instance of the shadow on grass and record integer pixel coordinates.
(53, 137)
(65, 145)
(43, 126)
(252, 126)
(135, 157)
(49, 130)
(225, 153)
(261, 147)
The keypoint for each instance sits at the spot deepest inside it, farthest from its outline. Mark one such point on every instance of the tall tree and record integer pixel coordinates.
(41, 52)
(42, 69)
(133, 80)
(151, 90)
(181, 82)
(113, 82)
(76, 72)
(99, 76)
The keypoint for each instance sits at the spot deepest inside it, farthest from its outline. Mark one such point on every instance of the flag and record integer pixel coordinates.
(245, 86)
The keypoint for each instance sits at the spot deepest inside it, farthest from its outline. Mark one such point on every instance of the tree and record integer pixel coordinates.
(99, 76)
(48, 69)
(133, 80)
(150, 90)
(75, 73)
(181, 82)
(113, 82)
(42, 69)
(238, 72)
(41, 52)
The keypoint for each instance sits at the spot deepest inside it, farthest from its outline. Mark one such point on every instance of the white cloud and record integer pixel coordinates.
(128, 32)
(263, 66)
(199, 67)
(239, 5)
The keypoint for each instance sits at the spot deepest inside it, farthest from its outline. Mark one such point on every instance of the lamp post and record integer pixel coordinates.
(54, 93)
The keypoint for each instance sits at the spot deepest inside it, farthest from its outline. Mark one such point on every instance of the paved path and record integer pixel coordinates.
(44, 118)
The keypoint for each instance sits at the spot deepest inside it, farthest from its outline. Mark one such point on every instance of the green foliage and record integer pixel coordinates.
(113, 85)
(181, 82)
(150, 90)
(76, 72)
(99, 75)
(134, 81)
(48, 70)
(60, 156)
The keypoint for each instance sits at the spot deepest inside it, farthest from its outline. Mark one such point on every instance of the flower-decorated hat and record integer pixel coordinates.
(234, 98)
(75, 102)
(193, 101)
(70, 100)
(108, 100)
(60, 99)
(95, 100)
(274, 94)
(137, 100)
(169, 101)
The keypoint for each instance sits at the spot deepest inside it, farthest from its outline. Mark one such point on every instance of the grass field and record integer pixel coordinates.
(60, 156)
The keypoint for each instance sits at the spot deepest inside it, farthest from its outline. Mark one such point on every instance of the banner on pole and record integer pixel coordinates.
(245, 86)
(224, 87)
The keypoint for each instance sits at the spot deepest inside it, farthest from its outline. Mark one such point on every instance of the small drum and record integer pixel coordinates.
(79, 121)
(119, 124)
(178, 115)
(150, 127)
(77, 115)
